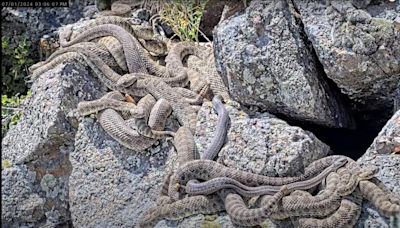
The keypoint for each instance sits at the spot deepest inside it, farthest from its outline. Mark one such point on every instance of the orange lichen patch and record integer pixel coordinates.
(397, 150)
(129, 98)
(74, 122)
(50, 155)
(57, 172)
(39, 172)
(231, 76)
(49, 203)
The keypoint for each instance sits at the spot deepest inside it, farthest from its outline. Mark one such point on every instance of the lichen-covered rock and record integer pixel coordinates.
(48, 121)
(358, 44)
(19, 204)
(35, 188)
(266, 62)
(110, 185)
(378, 154)
(261, 144)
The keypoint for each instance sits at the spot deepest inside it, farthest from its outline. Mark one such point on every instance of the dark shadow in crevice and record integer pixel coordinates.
(352, 143)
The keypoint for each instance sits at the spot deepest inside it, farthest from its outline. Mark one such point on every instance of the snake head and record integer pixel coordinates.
(126, 80)
(367, 173)
(66, 34)
(339, 163)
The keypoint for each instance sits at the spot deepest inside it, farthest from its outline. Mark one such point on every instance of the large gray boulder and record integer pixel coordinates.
(110, 185)
(266, 61)
(35, 187)
(358, 44)
(261, 144)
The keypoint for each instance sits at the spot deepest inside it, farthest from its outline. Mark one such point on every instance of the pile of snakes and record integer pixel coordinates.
(122, 56)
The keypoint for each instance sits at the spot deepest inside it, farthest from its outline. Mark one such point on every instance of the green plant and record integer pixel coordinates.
(10, 111)
(16, 55)
(184, 17)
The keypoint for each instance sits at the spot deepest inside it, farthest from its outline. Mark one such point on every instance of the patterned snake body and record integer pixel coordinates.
(185, 114)
(346, 216)
(194, 187)
(241, 215)
(98, 49)
(207, 169)
(130, 45)
(180, 209)
(123, 130)
(139, 32)
(378, 197)
(176, 68)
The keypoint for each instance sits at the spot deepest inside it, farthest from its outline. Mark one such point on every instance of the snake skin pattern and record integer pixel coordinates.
(346, 216)
(194, 187)
(241, 215)
(185, 114)
(121, 8)
(207, 169)
(144, 108)
(131, 47)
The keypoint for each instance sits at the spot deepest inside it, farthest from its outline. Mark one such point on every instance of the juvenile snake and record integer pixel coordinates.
(220, 131)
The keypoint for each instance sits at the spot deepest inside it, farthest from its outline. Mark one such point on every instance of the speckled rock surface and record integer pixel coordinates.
(263, 56)
(19, 204)
(38, 147)
(110, 185)
(261, 144)
(358, 44)
(378, 154)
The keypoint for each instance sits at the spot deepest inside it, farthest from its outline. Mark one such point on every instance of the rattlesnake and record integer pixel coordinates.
(130, 45)
(122, 130)
(174, 63)
(153, 215)
(121, 8)
(138, 31)
(136, 58)
(194, 187)
(98, 49)
(185, 114)
(144, 34)
(346, 216)
(221, 130)
(107, 75)
(241, 215)
(377, 196)
(207, 169)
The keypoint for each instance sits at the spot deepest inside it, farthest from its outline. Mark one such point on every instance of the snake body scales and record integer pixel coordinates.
(193, 187)
(207, 169)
